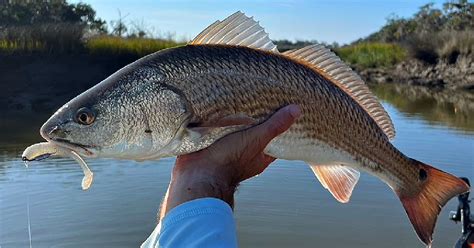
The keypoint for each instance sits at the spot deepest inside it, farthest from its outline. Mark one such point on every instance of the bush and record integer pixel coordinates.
(453, 43)
(372, 54)
(118, 45)
(446, 45)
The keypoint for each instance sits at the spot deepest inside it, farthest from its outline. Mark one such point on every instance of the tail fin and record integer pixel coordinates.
(423, 207)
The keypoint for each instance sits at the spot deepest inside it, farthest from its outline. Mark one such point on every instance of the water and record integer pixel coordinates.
(284, 207)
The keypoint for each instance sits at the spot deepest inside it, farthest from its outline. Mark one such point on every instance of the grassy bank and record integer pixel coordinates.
(118, 45)
(45, 38)
(101, 45)
(372, 54)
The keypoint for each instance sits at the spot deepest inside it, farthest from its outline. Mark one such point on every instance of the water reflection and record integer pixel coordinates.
(451, 108)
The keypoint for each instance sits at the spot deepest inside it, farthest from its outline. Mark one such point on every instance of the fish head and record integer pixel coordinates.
(130, 115)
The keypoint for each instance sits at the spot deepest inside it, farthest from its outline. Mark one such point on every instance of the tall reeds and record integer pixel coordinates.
(118, 45)
(45, 38)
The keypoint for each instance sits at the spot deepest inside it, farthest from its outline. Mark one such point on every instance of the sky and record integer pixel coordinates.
(342, 21)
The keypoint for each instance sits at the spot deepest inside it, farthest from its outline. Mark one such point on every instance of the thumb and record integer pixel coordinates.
(278, 123)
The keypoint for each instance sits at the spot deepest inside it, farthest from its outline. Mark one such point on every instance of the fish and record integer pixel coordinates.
(231, 77)
(44, 150)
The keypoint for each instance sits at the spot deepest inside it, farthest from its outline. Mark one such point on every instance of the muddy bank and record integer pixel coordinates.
(451, 75)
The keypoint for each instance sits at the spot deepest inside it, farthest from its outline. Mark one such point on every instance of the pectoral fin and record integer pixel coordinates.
(204, 128)
(340, 180)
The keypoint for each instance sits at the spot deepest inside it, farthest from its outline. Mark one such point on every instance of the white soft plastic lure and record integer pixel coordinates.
(44, 150)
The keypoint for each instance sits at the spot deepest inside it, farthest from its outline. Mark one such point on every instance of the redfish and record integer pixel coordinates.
(231, 77)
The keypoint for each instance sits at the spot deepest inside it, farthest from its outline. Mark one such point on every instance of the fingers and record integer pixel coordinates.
(276, 124)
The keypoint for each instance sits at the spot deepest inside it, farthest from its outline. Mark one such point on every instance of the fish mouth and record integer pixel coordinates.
(52, 132)
(78, 148)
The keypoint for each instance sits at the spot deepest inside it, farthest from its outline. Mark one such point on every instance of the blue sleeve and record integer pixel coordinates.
(205, 222)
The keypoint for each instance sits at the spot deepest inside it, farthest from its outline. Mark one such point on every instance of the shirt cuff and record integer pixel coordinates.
(204, 222)
(197, 207)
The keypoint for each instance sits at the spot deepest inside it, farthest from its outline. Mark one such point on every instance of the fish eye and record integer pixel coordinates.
(85, 116)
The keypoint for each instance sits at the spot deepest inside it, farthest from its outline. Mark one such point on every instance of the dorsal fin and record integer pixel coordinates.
(237, 30)
(336, 71)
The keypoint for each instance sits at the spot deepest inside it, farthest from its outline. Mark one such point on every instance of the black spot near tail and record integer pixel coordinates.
(422, 174)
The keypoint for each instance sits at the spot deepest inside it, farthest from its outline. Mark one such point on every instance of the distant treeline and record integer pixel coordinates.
(430, 35)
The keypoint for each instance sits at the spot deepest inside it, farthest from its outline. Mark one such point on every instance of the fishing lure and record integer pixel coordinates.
(45, 150)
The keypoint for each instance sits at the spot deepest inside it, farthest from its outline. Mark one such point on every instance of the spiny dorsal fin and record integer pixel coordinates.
(340, 180)
(336, 71)
(237, 30)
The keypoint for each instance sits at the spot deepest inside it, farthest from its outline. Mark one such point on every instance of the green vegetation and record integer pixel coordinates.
(445, 45)
(67, 38)
(46, 38)
(119, 45)
(46, 26)
(455, 16)
(15, 13)
(372, 54)
(56, 27)
(432, 34)
(360, 54)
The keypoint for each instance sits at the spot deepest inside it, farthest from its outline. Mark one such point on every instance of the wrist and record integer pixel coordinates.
(188, 185)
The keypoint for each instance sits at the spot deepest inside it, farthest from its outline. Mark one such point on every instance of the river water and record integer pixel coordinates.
(284, 207)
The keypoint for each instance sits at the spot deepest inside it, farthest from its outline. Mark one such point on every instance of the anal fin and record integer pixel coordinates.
(340, 180)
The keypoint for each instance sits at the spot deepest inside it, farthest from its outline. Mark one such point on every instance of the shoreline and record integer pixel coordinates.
(444, 75)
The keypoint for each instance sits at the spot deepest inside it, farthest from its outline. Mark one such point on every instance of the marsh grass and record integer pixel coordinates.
(45, 38)
(446, 45)
(118, 45)
(372, 54)
(66, 38)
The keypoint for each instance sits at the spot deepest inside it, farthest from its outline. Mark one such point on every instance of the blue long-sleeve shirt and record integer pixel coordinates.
(205, 222)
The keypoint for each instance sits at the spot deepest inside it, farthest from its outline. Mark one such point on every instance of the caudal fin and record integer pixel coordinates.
(423, 208)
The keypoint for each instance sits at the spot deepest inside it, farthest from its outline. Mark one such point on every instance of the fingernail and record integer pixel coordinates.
(294, 110)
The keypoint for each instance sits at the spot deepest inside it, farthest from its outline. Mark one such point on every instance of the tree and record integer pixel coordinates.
(454, 16)
(460, 15)
(88, 16)
(118, 26)
(33, 12)
(429, 19)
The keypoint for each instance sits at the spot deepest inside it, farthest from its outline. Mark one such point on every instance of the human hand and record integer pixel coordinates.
(217, 170)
